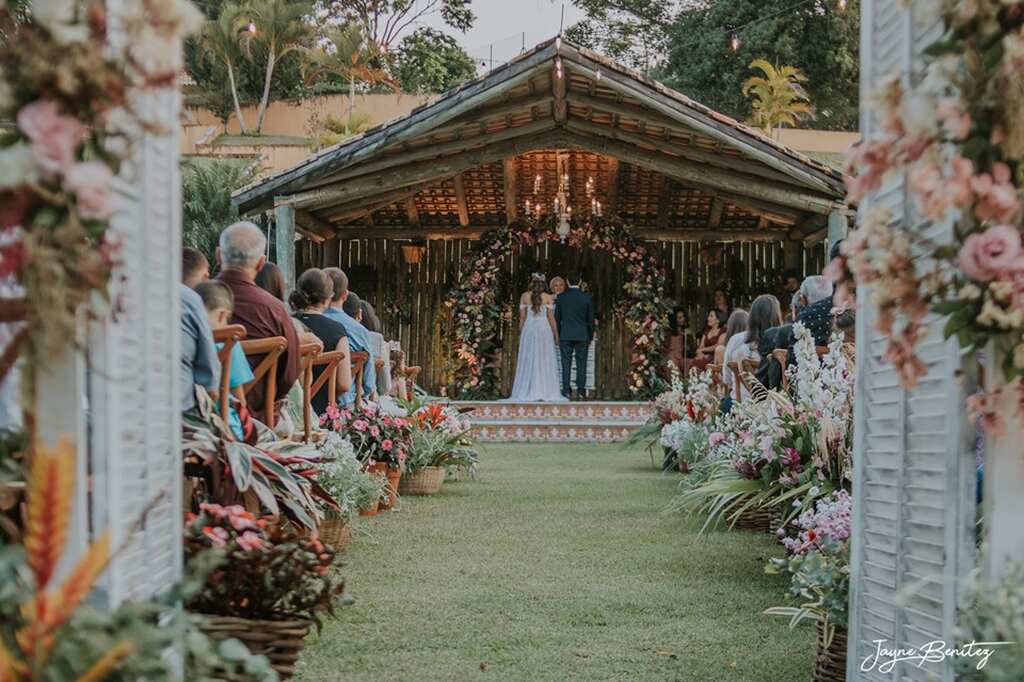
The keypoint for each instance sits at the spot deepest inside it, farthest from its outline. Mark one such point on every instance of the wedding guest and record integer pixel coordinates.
(815, 298)
(271, 280)
(712, 337)
(721, 302)
(199, 363)
(313, 293)
(679, 344)
(557, 285)
(220, 303)
(379, 348)
(370, 319)
(358, 336)
(735, 330)
(194, 267)
(790, 285)
(241, 257)
(765, 314)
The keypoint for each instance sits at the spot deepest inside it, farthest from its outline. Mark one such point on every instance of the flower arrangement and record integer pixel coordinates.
(957, 134)
(994, 612)
(375, 436)
(343, 477)
(819, 564)
(72, 95)
(440, 438)
(477, 311)
(268, 571)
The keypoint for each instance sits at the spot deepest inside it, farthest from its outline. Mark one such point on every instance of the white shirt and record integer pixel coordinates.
(737, 350)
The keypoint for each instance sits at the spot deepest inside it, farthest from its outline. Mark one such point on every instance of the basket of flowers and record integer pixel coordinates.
(269, 584)
(343, 477)
(440, 440)
(381, 442)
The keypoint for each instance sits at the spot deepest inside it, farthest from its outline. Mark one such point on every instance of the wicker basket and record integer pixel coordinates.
(760, 519)
(280, 641)
(425, 481)
(830, 662)
(336, 532)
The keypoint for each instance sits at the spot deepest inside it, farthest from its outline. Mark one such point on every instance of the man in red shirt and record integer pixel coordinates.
(241, 257)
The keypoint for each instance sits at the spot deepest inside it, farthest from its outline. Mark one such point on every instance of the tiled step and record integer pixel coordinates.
(579, 422)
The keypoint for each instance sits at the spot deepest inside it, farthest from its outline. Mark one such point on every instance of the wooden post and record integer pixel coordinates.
(791, 259)
(284, 232)
(836, 227)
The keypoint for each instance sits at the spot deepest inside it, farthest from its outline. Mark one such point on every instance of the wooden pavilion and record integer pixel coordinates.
(399, 206)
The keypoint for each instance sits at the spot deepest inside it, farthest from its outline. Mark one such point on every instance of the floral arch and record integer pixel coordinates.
(477, 313)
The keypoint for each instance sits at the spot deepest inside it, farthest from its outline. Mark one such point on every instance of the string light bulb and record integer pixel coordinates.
(842, 5)
(734, 41)
(251, 28)
(558, 67)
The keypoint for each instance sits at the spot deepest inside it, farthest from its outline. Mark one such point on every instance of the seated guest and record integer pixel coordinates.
(735, 333)
(679, 343)
(346, 312)
(240, 255)
(271, 280)
(790, 285)
(194, 267)
(712, 337)
(720, 301)
(199, 363)
(845, 322)
(219, 303)
(815, 299)
(765, 314)
(380, 349)
(312, 295)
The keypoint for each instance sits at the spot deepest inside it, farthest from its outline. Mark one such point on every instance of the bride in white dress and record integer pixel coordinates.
(536, 365)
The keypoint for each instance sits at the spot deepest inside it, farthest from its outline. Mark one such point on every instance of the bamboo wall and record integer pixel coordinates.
(409, 298)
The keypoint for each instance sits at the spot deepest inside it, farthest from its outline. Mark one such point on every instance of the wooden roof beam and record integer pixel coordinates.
(475, 232)
(665, 197)
(312, 227)
(511, 186)
(460, 200)
(559, 78)
(411, 212)
(717, 208)
(613, 186)
(356, 209)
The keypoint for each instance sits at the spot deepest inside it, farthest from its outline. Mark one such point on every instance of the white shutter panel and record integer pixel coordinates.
(135, 360)
(914, 461)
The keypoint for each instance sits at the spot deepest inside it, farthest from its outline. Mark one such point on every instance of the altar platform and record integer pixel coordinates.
(572, 422)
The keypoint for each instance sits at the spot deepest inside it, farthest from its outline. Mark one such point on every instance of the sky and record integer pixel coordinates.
(502, 23)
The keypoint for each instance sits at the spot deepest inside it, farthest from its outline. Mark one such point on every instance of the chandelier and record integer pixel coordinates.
(561, 203)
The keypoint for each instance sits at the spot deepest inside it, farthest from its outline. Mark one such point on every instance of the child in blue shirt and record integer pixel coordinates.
(220, 303)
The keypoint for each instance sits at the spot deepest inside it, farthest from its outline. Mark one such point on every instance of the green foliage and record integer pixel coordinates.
(778, 98)
(345, 479)
(816, 38)
(994, 613)
(429, 61)
(206, 188)
(634, 32)
(821, 579)
(383, 21)
(334, 130)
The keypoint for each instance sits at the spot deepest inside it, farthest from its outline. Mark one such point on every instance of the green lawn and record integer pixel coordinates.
(556, 563)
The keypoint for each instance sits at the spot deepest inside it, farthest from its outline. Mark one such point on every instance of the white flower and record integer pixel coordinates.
(969, 292)
(58, 17)
(17, 166)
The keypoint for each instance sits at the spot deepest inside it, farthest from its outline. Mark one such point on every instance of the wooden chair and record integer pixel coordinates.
(358, 363)
(734, 368)
(781, 356)
(410, 381)
(229, 336)
(312, 382)
(269, 350)
(716, 377)
(821, 350)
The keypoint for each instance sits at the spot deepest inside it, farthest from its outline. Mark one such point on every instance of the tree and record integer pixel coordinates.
(280, 29)
(219, 41)
(817, 37)
(430, 61)
(384, 21)
(634, 32)
(206, 187)
(779, 99)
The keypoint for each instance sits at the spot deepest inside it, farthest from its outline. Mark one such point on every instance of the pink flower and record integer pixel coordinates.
(375, 431)
(401, 456)
(249, 541)
(997, 197)
(955, 121)
(214, 537)
(90, 181)
(990, 254)
(332, 412)
(55, 137)
(866, 165)
(360, 425)
(387, 445)
(983, 409)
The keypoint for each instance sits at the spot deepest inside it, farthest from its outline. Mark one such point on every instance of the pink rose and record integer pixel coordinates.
(249, 540)
(375, 431)
(387, 445)
(360, 425)
(55, 138)
(987, 255)
(90, 181)
(996, 196)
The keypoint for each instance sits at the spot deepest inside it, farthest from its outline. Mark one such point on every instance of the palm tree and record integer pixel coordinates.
(219, 40)
(279, 27)
(345, 52)
(779, 99)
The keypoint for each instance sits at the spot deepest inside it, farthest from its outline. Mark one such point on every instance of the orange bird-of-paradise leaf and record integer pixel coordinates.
(49, 494)
(11, 669)
(110, 660)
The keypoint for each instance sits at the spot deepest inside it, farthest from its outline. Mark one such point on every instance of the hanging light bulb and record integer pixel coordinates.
(842, 5)
(537, 184)
(528, 208)
(558, 67)
(251, 28)
(734, 41)
(597, 75)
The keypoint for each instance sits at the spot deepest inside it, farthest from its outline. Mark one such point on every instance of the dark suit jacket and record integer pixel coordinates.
(769, 372)
(574, 313)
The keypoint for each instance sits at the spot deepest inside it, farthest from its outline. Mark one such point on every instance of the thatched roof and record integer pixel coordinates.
(470, 160)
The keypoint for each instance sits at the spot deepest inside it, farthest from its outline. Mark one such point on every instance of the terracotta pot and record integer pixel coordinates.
(370, 511)
(380, 469)
(391, 492)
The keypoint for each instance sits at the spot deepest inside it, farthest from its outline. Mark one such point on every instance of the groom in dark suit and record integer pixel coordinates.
(574, 314)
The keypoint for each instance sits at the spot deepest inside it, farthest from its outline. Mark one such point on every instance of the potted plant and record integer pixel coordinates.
(381, 442)
(440, 439)
(819, 566)
(270, 584)
(352, 487)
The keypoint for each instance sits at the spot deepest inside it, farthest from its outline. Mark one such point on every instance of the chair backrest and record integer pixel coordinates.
(269, 350)
(734, 367)
(821, 350)
(229, 336)
(358, 363)
(781, 356)
(313, 381)
(410, 380)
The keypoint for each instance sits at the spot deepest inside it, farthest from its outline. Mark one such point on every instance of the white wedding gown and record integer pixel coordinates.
(537, 377)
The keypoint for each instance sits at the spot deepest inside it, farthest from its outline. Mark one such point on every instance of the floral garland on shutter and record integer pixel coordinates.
(70, 94)
(958, 136)
(477, 313)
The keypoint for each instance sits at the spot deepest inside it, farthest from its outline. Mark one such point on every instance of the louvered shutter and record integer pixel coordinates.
(914, 460)
(133, 383)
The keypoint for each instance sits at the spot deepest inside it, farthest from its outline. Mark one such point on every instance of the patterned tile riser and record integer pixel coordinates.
(635, 413)
(551, 434)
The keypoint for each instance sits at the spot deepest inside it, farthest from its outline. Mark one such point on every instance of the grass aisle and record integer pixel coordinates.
(556, 563)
